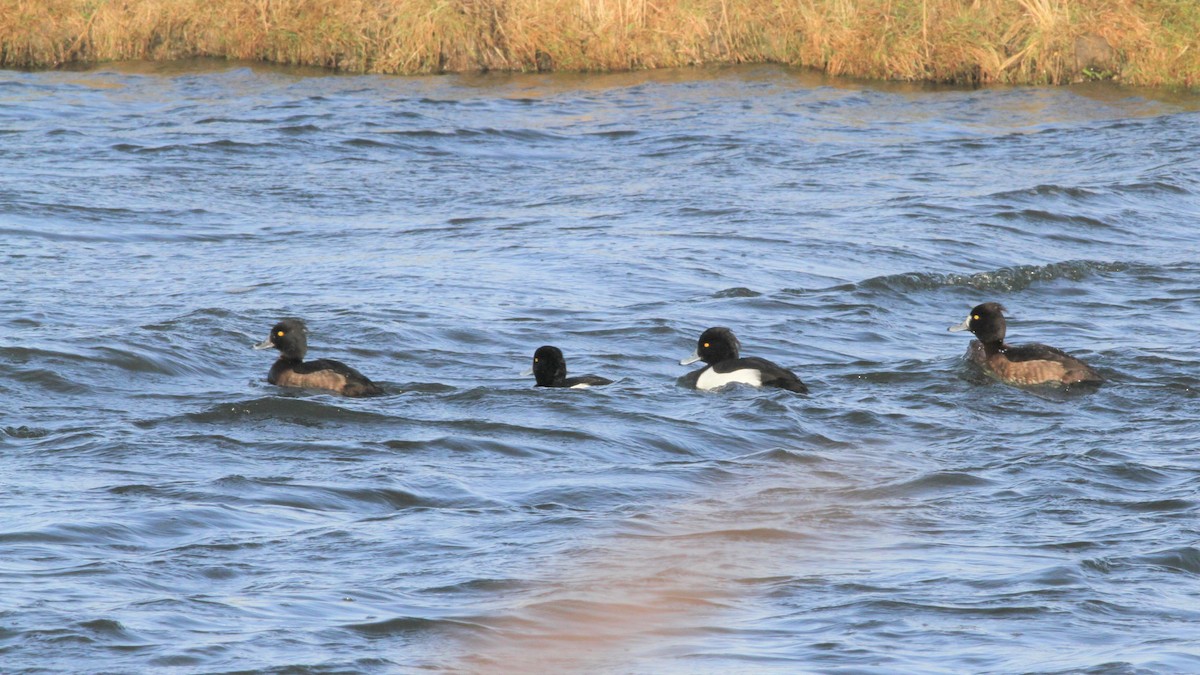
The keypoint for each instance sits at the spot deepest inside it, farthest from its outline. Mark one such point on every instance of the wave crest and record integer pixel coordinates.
(1004, 279)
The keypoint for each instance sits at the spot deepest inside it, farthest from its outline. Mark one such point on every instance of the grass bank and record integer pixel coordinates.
(1146, 42)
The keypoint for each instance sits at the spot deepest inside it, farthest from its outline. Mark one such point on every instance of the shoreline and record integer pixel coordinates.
(963, 42)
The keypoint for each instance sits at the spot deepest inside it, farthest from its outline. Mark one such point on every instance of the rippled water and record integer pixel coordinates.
(164, 507)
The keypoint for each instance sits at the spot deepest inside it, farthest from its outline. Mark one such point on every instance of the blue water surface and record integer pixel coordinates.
(167, 510)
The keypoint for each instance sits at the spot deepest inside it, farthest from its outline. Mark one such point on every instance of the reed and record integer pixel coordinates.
(1150, 42)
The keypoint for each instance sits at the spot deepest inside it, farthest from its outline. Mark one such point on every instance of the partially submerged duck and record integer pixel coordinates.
(290, 337)
(550, 370)
(719, 348)
(1025, 365)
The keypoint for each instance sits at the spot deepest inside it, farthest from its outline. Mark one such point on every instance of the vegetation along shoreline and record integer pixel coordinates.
(1138, 42)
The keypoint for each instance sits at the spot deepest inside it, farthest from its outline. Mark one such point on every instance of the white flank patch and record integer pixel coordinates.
(710, 379)
(581, 385)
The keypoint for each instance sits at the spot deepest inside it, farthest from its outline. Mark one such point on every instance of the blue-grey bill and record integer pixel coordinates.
(265, 344)
(691, 359)
(965, 325)
(527, 371)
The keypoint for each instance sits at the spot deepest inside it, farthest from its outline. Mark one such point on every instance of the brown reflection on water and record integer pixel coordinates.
(678, 586)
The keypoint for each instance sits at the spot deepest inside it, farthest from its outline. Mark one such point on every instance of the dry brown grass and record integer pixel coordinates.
(1018, 41)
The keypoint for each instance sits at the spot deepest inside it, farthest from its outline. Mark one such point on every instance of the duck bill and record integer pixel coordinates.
(965, 325)
(265, 344)
(691, 359)
(527, 372)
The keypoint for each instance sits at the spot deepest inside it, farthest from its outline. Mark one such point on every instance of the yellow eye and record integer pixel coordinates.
(280, 333)
(976, 317)
(706, 345)
(535, 360)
